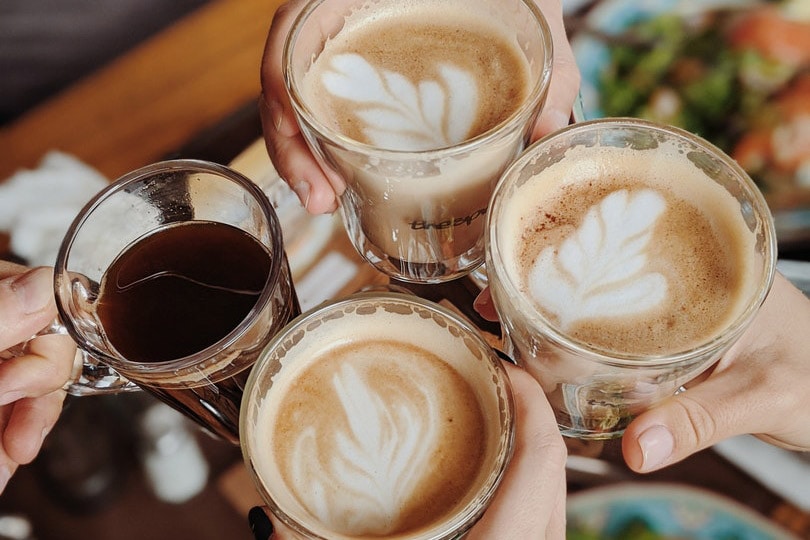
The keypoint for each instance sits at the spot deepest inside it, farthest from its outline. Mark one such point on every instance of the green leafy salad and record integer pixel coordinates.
(738, 77)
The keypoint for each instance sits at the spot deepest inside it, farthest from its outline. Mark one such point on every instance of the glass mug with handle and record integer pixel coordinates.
(624, 258)
(172, 279)
(379, 415)
(418, 107)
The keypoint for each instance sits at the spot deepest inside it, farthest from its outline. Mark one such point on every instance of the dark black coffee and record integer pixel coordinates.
(180, 290)
(176, 292)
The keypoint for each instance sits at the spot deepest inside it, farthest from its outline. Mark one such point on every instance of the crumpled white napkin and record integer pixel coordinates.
(38, 205)
(784, 472)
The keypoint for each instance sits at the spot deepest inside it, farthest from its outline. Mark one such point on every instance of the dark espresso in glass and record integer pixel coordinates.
(178, 291)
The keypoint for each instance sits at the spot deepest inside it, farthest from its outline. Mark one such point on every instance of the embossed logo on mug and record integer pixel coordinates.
(418, 106)
(417, 225)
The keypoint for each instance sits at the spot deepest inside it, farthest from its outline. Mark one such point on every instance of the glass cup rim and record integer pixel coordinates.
(506, 442)
(605, 356)
(117, 361)
(533, 99)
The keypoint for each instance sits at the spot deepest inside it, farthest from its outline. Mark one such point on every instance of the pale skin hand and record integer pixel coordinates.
(530, 502)
(759, 387)
(30, 385)
(318, 189)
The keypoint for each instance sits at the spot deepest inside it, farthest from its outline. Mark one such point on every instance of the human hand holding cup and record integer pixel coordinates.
(624, 258)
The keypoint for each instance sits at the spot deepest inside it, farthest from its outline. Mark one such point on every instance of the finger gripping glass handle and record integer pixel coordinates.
(89, 376)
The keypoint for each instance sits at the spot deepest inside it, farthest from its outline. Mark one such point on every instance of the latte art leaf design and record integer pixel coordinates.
(401, 115)
(601, 269)
(375, 465)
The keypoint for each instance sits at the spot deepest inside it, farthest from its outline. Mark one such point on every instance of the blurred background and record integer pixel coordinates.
(124, 466)
(46, 45)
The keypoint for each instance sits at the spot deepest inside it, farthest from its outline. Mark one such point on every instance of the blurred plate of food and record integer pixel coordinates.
(736, 72)
(655, 511)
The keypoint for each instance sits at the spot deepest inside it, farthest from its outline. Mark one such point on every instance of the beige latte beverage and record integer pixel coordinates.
(418, 105)
(379, 415)
(629, 256)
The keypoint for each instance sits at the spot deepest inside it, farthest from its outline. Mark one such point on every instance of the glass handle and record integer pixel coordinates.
(89, 376)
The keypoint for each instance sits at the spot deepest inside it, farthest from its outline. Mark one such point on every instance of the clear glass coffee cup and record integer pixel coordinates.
(381, 415)
(408, 136)
(131, 347)
(624, 258)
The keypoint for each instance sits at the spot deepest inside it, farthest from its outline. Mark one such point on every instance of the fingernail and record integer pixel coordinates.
(557, 120)
(45, 431)
(11, 397)
(34, 293)
(259, 523)
(276, 114)
(656, 445)
(482, 301)
(301, 189)
(5, 475)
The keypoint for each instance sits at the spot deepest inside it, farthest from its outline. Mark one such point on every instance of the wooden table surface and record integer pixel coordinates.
(153, 99)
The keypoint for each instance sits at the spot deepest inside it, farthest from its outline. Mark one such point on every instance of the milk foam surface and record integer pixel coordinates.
(400, 114)
(635, 251)
(601, 269)
(419, 77)
(376, 436)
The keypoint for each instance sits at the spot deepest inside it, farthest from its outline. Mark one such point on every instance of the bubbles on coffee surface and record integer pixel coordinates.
(400, 114)
(634, 251)
(601, 269)
(417, 78)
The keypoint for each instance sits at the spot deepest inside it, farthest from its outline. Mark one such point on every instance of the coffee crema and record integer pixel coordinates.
(631, 251)
(378, 426)
(416, 76)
